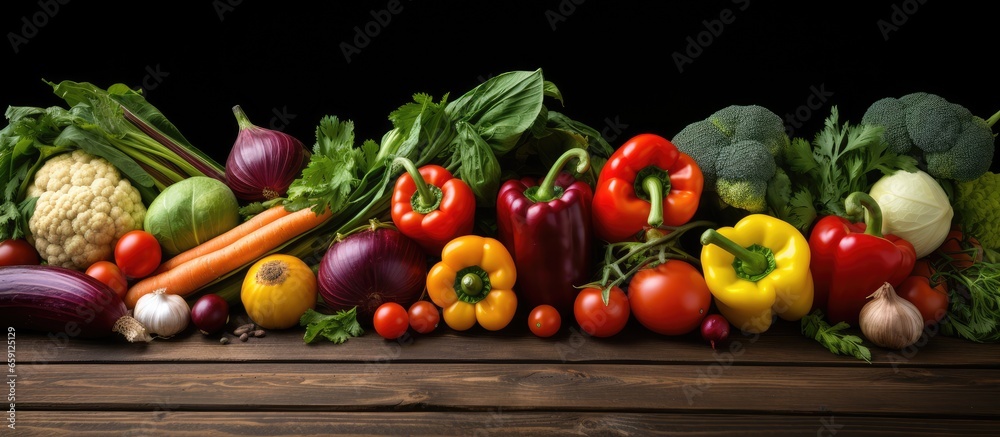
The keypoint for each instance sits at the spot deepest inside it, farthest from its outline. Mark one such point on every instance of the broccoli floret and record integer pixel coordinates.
(744, 169)
(948, 141)
(890, 113)
(737, 149)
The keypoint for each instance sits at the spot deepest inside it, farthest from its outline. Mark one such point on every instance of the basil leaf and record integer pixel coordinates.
(502, 108)
(480, 168)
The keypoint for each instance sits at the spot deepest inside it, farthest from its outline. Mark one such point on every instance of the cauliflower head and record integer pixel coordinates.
(84, 206)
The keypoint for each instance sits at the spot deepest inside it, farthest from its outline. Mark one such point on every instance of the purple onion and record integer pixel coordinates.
(370, 267)
(714, 329)
(263, 163)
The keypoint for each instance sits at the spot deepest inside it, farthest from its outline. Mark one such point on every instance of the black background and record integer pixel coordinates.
(615, 62)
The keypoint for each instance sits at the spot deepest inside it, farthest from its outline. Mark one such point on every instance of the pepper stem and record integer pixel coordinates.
(546, 191)
(425, 200)
(859, 202)
(654, 186)
(752, 263)
(472, 284)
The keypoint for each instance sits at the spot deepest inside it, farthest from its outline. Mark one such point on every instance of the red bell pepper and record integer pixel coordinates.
(431, 206)
(647, 182)
(852, 260)
(547, 229)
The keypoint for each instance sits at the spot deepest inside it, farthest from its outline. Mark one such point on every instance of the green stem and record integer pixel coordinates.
(654, 186)
(993, 120)
(241, 118)
(547, 191)
(425, 199)
(753, 263)
(472, 284)
(858, 202)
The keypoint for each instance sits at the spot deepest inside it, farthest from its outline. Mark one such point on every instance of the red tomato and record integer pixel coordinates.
(931, 300)
(109, 273)
(391, 320)
(598, 319)
(670, 299)
(424, 316)
(17, 252)
(137, 253)
(961, 250)
(544, 320)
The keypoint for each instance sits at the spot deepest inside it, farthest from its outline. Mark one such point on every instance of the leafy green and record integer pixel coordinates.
(117, 125)
(833, 338)
(841, 159)
(337, 327)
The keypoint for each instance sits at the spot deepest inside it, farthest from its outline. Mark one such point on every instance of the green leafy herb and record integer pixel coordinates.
(338, 327)
(973, 295)
(841, 159)
(833, 338)
(117, 125)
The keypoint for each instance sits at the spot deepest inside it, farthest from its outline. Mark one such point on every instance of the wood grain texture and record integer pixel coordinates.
(488, 423)
(470, 386)
(781, 345)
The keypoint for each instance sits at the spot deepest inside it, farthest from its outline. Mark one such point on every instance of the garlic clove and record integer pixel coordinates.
(890, 321)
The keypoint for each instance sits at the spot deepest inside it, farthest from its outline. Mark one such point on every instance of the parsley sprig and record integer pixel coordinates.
(833, 337)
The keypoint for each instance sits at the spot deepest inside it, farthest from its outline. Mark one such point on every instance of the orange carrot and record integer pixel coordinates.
(226, 238)
(190, 276)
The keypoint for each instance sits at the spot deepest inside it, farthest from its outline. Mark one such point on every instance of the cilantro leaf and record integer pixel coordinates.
(338, 327)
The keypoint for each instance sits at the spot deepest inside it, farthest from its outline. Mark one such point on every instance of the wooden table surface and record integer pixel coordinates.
(500, 383)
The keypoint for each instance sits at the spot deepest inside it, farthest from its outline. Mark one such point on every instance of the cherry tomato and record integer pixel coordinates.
(598, 319)
(109, 273)
(544, 320)
(137, 253)
(424, 316)
(17, 252)
(669, 299)
(391, 320)
(930, 299)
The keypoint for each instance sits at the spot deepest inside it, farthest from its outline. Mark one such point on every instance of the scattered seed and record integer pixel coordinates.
(244, 336)
(224, 340)
(244, 329)
(258, 333)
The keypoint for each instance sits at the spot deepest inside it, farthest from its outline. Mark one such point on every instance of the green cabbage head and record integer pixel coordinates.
(191, 212)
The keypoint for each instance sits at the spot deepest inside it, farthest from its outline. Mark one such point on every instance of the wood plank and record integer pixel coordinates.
(495, 422)
(924, 392)
(782, 344)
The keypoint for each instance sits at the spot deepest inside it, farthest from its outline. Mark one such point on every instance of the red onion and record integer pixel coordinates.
(263, 162)
(210, 313)
(370, 267)
(714, 328)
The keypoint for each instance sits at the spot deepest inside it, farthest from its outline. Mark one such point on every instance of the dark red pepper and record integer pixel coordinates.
(849, 261)
(547, 229)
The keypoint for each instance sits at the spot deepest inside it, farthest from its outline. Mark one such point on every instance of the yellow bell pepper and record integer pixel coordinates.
(757, 270)
(474, 282)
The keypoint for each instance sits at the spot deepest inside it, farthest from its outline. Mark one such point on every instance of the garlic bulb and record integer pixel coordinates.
(889, 320)
(163, 314)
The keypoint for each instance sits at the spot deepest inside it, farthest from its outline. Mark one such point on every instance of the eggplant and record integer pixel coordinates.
(64, 301)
